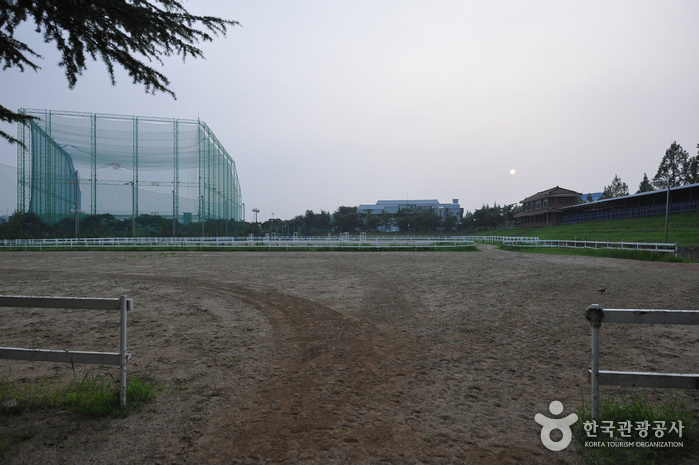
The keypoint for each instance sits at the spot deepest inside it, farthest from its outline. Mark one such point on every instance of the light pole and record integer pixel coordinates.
(440, 221)
(667, 201)
(133, 206)
(256, 211)
(77, 204)
(173, 213)
(201, 214)
(225, 217)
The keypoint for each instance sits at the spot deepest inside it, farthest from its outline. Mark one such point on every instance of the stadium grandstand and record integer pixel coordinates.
(679, 199)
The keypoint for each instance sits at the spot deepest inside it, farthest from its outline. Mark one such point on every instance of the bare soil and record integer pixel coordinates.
(334, 358)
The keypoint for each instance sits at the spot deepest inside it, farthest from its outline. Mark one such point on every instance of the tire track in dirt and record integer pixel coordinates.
(447, 413)
(352, 386)
(337, 397)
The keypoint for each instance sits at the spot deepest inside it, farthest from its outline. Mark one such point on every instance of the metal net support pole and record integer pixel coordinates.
(123, 355)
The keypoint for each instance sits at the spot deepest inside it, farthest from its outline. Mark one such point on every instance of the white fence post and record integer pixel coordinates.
(596, 316)
(122, 304)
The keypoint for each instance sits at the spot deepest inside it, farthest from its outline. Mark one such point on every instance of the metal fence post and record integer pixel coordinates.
(594, 314)
(123, 355)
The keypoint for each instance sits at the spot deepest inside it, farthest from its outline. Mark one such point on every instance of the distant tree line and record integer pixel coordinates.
(29, 225)
(495, 217)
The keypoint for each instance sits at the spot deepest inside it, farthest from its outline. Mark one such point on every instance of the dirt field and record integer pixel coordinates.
(334, 358)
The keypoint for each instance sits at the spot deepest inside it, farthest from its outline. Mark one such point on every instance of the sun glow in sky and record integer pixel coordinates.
(323, 104)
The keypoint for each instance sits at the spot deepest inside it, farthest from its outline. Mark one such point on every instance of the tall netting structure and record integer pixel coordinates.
(124, 165)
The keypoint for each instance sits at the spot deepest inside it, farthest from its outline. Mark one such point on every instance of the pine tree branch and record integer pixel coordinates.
(131, 34)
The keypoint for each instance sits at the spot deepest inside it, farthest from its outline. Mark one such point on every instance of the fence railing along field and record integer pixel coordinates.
(641, 246)
(597, 315)
(251, 242)
(340, 242)
(119, 359)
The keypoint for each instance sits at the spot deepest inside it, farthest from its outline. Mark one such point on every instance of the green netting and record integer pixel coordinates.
(177, 167)
(52, 178)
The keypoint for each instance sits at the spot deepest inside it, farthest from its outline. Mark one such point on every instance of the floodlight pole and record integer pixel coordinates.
(133, 206)
(77, 204)
(225, 217)
(173, 213)
(667, 207)
(201, 215)
(440, 221)
(656, 182)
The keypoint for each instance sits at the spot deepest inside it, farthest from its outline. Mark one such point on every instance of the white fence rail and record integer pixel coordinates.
(269, 242)
(596, 315)
(645, 246)
(502, 239)
(342, 241)
(120, 358)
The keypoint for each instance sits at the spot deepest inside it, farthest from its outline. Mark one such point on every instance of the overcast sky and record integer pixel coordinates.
(327, 103)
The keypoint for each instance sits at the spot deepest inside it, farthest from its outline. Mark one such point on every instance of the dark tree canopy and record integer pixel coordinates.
(127, 33)
(645, 185)
(616, 189)
(674, 167)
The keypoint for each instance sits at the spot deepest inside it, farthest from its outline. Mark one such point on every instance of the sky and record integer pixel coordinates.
(329, 103)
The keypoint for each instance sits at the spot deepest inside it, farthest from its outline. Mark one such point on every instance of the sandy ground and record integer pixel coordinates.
(323, 358)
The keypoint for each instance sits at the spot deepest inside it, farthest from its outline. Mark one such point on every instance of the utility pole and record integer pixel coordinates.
(77, 204)
(201, 215)
(256, 211)
(133, 206)
(173, 213)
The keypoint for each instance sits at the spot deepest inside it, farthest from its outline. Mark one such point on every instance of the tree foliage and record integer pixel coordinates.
(616, 189)
(23, 225)
(346, 219)
(645, 185)
(677, 167)
(30, 226)
(130, 34)
(494, 217)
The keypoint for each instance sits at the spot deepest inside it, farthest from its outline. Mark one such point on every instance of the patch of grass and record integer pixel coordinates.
(96, 394)
(682, 229)
(638, 412)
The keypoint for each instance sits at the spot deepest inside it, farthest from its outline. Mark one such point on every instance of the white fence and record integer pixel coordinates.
(63, 356)
(645, 246)
(502, 239)
(342, 242)
(596, 315)
(273, 242)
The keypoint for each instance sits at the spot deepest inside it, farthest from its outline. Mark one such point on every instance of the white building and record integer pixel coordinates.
(392, 207)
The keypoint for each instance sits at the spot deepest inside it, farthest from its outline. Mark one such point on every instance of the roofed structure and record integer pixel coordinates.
(544, 208)
(681, 199)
